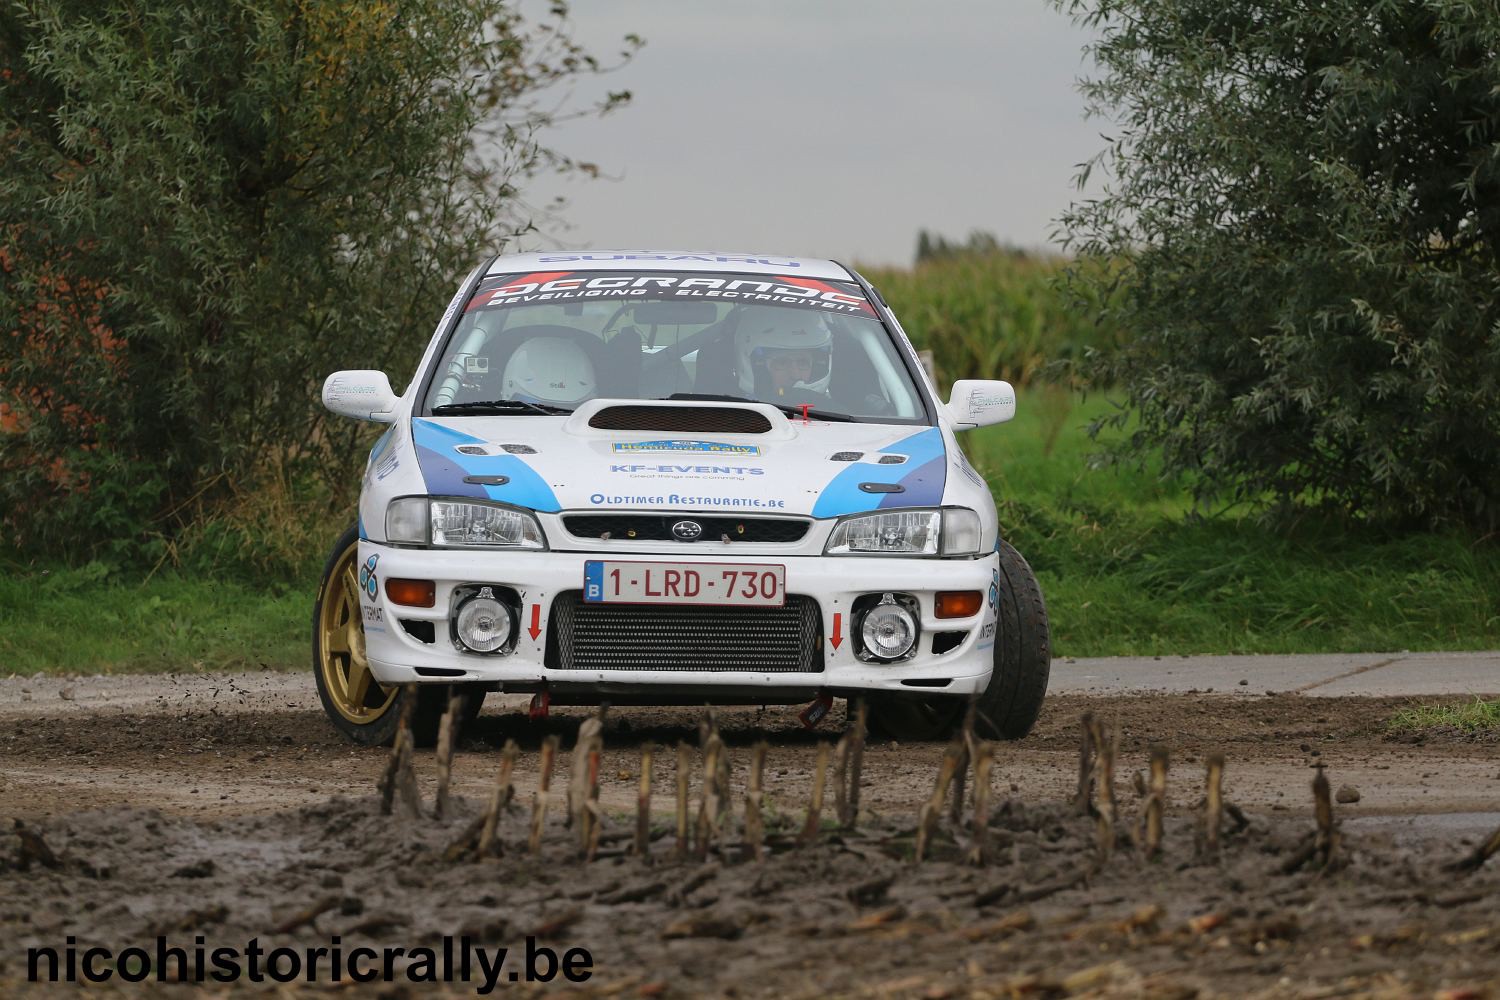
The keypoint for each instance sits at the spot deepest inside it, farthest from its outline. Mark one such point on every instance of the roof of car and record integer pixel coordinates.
(668, 260)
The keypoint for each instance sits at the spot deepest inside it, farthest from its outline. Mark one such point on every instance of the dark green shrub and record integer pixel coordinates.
(206, 208)
(1303, 202)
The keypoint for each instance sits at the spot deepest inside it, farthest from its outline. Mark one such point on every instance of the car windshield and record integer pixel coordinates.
(531, 344)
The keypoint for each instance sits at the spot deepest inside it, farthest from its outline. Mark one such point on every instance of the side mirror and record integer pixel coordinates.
(361, 394)
(977, 402)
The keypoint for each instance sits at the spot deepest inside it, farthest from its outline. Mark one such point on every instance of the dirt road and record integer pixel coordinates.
(217, 805)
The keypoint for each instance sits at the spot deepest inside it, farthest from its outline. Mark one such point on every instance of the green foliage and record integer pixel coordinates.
(273, 533)
(208, 208)
(1127, 568)
(988, 312)
(1302, 199)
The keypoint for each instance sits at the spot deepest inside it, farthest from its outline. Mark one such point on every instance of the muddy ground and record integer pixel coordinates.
(220, 806)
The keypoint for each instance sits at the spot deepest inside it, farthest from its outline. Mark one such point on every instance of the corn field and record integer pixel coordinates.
(995, 315)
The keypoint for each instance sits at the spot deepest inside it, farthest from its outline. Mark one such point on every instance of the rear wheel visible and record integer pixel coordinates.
(358, 705)
(1009, 706)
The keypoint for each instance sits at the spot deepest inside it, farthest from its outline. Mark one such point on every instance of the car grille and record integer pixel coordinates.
(719, 419)
(666, 637)
(658, 527)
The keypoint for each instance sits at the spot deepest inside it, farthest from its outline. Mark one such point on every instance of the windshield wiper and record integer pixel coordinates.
(813, 412)
(499, 406)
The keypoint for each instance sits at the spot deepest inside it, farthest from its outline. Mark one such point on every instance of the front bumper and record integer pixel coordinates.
(399, 654)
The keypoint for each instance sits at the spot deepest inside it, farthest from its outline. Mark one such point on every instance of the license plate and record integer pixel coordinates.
(612, 582)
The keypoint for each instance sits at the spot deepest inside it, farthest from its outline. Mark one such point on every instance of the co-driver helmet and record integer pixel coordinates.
(549, 370)
(763, 331)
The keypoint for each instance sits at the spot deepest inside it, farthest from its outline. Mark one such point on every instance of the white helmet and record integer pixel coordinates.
(763, 331)
(549, 370)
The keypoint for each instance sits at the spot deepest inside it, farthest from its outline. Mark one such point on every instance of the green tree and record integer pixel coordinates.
(1304, 200)
(205, 208)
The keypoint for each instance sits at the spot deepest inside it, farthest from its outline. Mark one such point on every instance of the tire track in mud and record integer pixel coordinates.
(220, 749)
(222, 813)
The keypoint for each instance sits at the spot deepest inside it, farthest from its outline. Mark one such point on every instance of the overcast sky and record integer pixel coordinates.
(833, 128)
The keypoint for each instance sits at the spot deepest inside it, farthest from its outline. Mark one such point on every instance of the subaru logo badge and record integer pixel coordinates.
(687, 531)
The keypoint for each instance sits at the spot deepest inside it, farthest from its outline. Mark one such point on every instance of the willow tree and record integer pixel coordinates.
(1304, 204)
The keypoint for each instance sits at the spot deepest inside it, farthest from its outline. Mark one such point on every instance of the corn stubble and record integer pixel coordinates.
(951, 826)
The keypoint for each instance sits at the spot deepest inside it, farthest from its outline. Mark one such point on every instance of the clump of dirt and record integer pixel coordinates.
(850, 915)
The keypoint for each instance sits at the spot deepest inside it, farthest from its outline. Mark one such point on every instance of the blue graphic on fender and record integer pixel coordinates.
(445, 470)
(367, 580)
(921, 479)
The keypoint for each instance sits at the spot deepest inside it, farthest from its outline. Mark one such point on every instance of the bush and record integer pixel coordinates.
(1302, 202)
(207, 208)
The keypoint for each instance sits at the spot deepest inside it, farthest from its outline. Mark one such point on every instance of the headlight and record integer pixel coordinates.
(455, 522)
(462, 524)
(950, 532)
(895, 533)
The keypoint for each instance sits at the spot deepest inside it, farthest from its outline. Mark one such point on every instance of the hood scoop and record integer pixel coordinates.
(681, 419)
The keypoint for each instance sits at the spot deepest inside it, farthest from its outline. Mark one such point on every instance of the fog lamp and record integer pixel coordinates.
(888, 630)
(484, 624)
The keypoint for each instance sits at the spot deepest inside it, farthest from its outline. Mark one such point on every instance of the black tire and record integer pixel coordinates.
(368, 717)
(432, 702)
(1009, 706)
(1023, 654)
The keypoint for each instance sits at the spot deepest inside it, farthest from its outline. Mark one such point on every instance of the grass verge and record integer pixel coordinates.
(93, 620)
(1477, 716)
(1128, 569)
(1125, 566)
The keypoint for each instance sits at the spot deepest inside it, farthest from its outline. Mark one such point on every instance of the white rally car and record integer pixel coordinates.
(658, 478)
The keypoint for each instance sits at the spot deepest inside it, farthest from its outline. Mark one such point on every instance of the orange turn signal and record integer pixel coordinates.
(957, 603)
(412, 593)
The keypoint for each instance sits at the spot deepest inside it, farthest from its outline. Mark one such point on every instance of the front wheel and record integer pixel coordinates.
(1009, 706)
(358, 705)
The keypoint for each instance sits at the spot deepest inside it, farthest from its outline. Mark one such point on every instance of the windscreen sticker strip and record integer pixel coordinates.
(922, 479)
(444, 470)
(488, 287)
(841, 297)
(715, 259)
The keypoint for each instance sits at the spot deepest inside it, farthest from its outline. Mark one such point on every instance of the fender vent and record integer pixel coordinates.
(709, 419)
(943, 642)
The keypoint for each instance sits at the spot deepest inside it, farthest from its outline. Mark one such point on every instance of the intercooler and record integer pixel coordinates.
(668, 637)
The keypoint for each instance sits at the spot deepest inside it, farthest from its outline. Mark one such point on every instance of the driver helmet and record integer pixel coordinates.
(549, 370)
(796, 341)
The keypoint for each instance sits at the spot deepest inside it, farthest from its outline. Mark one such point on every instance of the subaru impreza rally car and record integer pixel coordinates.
(654, 478)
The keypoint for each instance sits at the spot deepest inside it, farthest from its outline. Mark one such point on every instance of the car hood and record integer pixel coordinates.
(817, 468)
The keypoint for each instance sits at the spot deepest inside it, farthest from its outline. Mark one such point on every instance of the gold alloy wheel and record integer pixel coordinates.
(356, 694)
